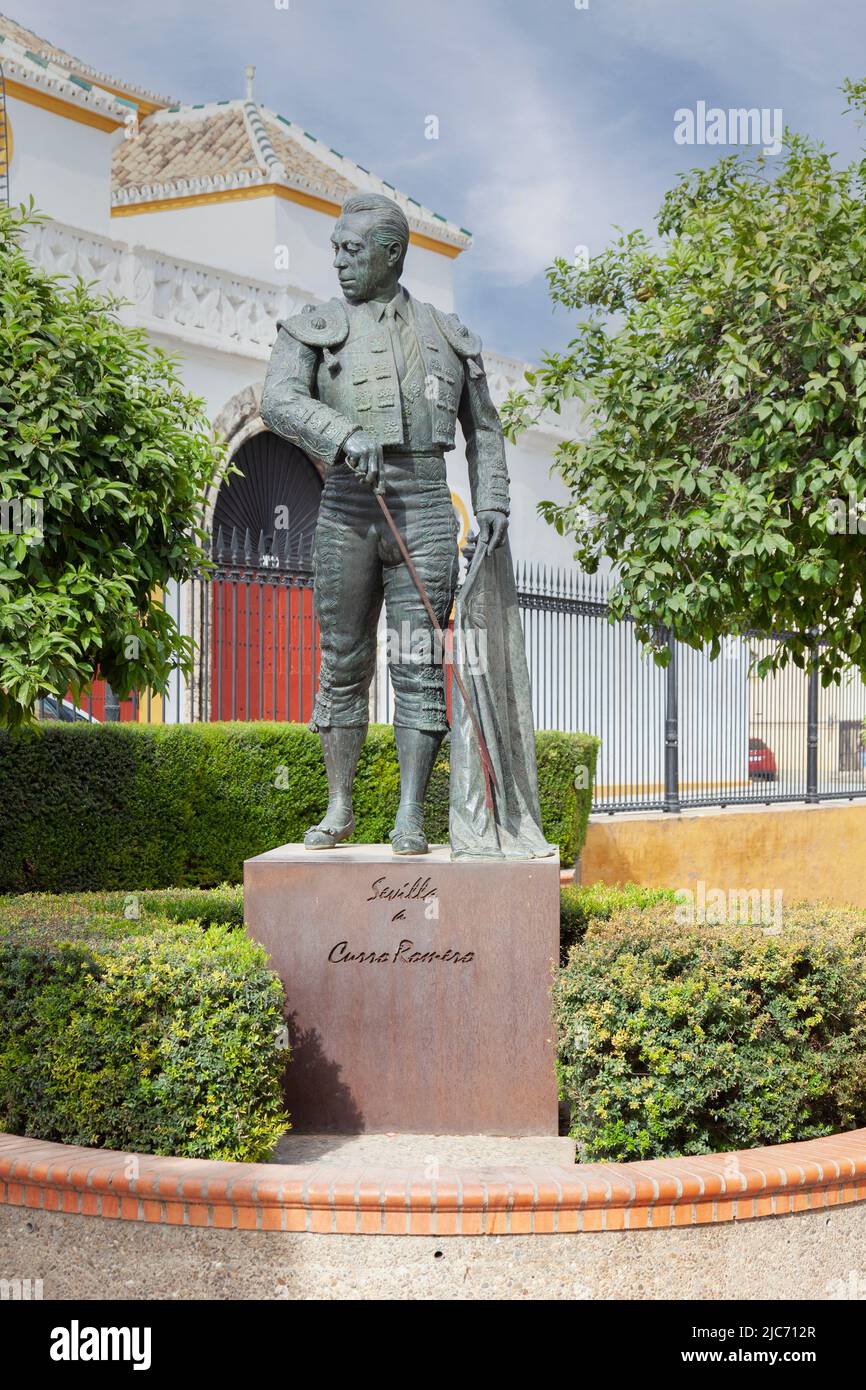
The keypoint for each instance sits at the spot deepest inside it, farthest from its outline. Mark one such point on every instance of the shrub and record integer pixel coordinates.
(685, 1040)
(52, 912)
(581, 904)
(147, 1035)
(126, 806)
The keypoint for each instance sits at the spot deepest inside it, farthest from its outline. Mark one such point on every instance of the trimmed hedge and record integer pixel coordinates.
(154, 907)
(581, 904)
(148, 1035)
(686, 1040)
(127, 806)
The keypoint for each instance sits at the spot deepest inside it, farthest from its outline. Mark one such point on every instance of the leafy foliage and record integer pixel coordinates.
(183, 805)
(685, 1040)
(47, 913)
(724, 383)
(582, 904)
(104, 459)
(149, 1035)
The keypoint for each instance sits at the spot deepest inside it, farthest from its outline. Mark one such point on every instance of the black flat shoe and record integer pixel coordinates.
(320, 837)
(409, 842)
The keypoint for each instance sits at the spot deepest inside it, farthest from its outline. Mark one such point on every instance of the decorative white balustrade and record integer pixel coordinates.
(167, 295)
(65, 251)
(227, 312)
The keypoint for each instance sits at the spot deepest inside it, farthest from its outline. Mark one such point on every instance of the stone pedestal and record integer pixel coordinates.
(418, 990)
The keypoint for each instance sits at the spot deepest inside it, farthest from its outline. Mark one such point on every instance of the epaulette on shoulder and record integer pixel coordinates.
(464, 343)
(319, 325)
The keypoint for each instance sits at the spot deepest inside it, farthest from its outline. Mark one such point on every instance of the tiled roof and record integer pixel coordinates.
(304, 164)
(167, 152)
(189, 150)
(43, 49)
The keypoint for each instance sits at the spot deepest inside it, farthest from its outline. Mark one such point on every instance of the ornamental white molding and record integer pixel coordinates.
(47, 76)
(213, 308)
(73, 254)
(185, 188)
(197, 305)
(266, 155)
(94, 75)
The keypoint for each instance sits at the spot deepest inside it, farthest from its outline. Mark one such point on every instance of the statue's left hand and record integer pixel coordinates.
(492, 529)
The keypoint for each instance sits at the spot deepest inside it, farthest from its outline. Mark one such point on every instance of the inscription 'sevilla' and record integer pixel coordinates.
(421, 891)
(340, 953)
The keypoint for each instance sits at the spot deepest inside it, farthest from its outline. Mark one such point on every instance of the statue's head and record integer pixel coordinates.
(370, 241)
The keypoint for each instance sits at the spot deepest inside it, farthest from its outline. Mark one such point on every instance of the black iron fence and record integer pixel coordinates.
(698, 733)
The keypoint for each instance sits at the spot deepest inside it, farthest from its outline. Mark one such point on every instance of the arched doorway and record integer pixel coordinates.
(270, 510)
(264, 636)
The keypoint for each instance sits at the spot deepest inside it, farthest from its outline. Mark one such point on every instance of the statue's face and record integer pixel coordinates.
(365, 267)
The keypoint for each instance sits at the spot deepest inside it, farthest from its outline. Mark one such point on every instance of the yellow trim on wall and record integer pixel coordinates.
(266, 190)
(307, 200)
(6, 130)
(654, 788)
(427, 243)
(59, 107)
(226, 195)
(154, 712)
(813, 852)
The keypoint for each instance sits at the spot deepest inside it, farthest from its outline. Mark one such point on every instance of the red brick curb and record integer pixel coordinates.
(325, 1198)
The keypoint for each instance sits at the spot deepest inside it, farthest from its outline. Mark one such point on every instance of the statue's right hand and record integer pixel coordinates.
(364, 457)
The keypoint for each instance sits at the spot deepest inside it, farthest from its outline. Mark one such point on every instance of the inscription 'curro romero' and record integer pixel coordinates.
(340, 953)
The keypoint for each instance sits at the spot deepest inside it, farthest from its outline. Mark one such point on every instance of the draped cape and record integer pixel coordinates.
(491, 655)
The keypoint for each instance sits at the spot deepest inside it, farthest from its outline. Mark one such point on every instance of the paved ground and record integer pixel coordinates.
(423, 1151)
(814, 1255)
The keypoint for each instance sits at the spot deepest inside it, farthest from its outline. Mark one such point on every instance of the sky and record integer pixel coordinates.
(556, 118)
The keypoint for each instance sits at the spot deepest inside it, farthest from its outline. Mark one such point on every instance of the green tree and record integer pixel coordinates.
(104, 459)
(721, 368)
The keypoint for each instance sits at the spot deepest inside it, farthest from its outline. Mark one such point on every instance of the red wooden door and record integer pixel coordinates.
(264, 650)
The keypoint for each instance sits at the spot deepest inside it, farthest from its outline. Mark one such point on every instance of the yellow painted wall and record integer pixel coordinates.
(154, 713)
(814, 852)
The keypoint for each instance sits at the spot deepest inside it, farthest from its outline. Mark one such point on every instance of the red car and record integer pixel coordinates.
(762, 760)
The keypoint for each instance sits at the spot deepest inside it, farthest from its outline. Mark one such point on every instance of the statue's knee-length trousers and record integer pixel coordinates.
(358, 566)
